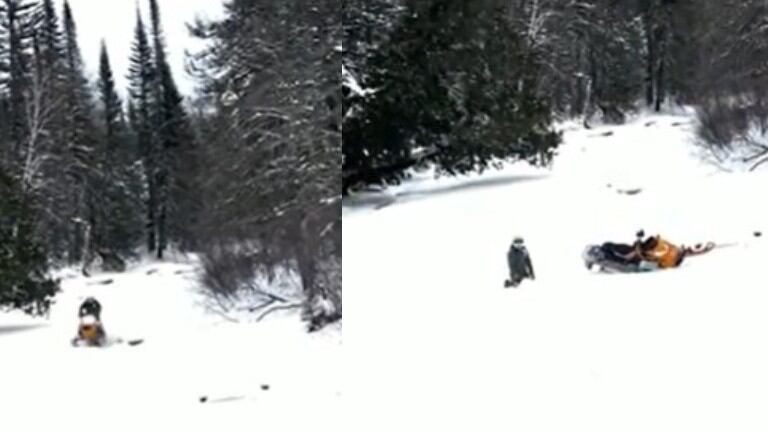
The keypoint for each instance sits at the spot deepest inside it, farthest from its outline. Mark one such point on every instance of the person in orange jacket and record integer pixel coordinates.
(660, 252)
(665, 254)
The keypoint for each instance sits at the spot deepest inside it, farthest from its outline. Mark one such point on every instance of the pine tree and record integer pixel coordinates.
(49, 58)
(119, 183)
(456, 87)
(30, 108)
(112, 106)
(24, 280)
(142, 76)
(49, 37)
(16, 26)
(24, 283)
(78, 87)
(367, 25)
(80, 141)
(174, 140)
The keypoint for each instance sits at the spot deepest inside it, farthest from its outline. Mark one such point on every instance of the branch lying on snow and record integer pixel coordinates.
(272, 297)
(252, 309)
(760, 155)
(223, 315)
(215, 305)
(262, 305)
(758, 163)
(763, 151)
(351, 177)
(277, 308)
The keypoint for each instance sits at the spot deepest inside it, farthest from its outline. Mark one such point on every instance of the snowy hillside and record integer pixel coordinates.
(448, 348)
(194, 372)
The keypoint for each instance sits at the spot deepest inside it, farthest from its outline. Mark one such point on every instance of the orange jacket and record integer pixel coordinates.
(664, 253)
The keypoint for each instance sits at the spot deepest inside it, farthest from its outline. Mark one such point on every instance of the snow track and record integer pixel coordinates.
(266, 372)
(447, 348)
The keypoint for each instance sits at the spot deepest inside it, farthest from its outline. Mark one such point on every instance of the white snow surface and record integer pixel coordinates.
(439, 344)
(46, 384)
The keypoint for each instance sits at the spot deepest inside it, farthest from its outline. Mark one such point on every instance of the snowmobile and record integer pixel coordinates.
(595, 257)
(90, 332)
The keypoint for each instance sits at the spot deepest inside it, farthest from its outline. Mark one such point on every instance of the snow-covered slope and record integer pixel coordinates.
(446, 347)
(47, 385)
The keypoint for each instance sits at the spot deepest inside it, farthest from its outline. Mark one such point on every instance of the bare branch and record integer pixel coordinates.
(278, 308)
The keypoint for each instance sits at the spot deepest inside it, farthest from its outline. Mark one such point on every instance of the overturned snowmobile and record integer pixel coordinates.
(595, 258)
(599, 257)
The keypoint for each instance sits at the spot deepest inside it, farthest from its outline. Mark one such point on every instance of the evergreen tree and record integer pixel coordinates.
(119, 183)
(80, 140)
(49, 37)
(48, 112)
(36, 127)
(174, 142)
(612, 42)
(366, 25)
(24, 283)
(271, 179)
(49, 68)
(16, 27)
(24, 280)
(112, 106)
(454, 87)
(142, 76)
(78, 89)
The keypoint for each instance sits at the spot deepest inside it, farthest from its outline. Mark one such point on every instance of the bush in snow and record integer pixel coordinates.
(263, 279)
(736, 126)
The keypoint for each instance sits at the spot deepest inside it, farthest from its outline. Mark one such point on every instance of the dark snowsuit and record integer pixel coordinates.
(620, 253)
(520, 266)
(628, 254)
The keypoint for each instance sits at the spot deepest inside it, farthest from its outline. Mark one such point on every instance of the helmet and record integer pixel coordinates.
(517, 240)
(640, 234)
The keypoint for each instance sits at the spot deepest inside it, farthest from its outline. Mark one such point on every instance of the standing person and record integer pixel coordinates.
(520, 265)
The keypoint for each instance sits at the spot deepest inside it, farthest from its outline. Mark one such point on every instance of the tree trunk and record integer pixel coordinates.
(662, 38)
(151, 222)
(650, 63)
(660, 90)
(79, 228)
(87, 248)
(161, 231)
(578, 98)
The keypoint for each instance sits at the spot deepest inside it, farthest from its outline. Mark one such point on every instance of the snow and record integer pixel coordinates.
(187, 354)
(439, 344)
